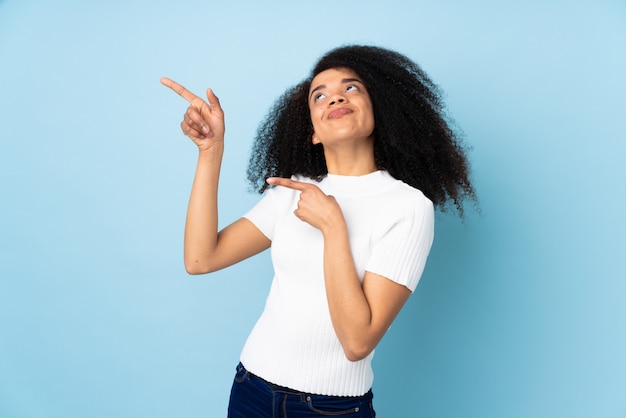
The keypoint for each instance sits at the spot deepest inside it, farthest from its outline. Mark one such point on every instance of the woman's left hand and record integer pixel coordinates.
(314, 207)
(361, 312)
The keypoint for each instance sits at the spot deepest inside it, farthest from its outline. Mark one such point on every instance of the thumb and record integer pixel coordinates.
(213, 99)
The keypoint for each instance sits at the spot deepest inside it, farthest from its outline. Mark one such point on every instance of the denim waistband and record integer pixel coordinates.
(277, 388)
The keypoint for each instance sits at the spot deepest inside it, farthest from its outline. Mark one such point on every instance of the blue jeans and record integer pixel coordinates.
(253, 397)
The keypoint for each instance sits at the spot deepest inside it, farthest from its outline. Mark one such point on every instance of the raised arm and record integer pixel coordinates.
(206, 250)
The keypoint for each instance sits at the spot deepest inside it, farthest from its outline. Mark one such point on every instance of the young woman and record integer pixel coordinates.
(353, 161)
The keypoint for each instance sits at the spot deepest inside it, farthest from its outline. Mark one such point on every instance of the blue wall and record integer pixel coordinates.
(520, 312)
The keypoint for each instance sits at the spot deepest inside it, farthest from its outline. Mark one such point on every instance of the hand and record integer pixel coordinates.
(314, 207)
(203, 122)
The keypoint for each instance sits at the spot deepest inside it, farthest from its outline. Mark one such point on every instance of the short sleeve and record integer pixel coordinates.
(401, 244)
(264, 214)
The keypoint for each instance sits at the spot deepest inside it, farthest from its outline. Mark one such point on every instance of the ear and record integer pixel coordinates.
(314, 139)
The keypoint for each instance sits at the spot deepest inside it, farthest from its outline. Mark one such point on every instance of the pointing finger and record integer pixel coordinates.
(193, 100)
(179, 89)
(290, 184)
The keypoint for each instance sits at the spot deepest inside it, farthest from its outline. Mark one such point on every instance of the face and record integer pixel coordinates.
(341, 108)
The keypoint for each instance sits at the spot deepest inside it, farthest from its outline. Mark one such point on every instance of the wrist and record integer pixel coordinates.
(216, 150)
(335, 228)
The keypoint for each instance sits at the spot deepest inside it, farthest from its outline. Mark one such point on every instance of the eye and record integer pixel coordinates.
(318, 97)
(352, 87)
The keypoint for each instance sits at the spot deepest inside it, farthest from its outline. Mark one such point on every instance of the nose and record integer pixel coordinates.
(337, 99)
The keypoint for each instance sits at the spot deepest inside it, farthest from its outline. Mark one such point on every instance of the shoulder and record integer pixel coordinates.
(408, 212)
(401, 197)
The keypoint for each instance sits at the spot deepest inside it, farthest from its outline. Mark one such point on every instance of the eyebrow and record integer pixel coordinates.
(343, 81)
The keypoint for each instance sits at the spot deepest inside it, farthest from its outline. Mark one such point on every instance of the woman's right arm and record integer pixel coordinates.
(206, 249)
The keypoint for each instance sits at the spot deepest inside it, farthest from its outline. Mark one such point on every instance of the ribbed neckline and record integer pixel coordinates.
(358, 185)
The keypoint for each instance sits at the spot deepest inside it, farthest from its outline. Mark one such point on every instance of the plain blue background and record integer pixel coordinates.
(520, 312)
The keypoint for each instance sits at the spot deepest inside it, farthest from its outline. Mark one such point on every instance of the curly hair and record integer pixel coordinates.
(413, 137)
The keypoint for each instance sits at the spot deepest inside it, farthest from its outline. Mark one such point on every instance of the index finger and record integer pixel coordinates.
(290, 184)
(182, 92)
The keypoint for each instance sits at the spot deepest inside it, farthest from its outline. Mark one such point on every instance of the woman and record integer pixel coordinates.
(353, 161)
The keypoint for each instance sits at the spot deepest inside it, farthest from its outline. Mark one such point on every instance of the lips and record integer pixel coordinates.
(337, 113)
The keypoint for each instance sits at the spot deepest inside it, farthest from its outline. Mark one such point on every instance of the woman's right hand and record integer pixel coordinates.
(205, 249)
(203, 122)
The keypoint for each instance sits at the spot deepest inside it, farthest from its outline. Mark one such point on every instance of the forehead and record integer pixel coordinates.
(333, 75)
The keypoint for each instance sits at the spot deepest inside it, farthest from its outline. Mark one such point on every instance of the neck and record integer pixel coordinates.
(346, 161)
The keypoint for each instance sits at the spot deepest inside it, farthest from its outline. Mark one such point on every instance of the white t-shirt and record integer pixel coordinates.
(293, 344)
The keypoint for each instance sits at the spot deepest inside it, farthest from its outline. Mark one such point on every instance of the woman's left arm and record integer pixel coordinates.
(360, 313)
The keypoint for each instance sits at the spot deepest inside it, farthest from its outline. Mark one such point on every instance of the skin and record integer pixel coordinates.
(347, 138)
(361, 313)
(206, 250)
